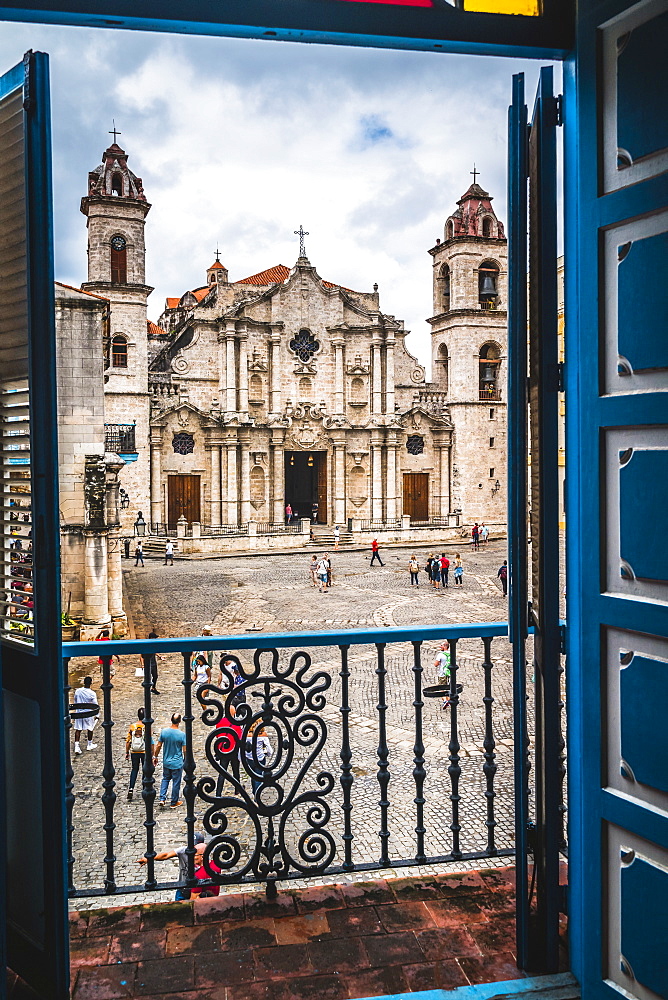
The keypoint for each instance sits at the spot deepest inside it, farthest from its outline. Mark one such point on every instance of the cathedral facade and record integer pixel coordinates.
(285, 389)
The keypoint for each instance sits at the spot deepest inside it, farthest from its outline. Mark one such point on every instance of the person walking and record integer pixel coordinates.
(503, 577)
(442, 664)
(435, 572)
(458, 570)
(288, 513)
(150, 660)
(484, 533)
(85, 723)
(329, 569)
(445, 569)
(375, 554)
(139, 554)
(135, 749)
(169, 552)
(180, 854)
(322, 575)
(414, 570)
(427, 565)
(475, 535)
(337, 537)
(201, 674)
(227, 749)
(313, 570)
(257, 751)
(172, 742)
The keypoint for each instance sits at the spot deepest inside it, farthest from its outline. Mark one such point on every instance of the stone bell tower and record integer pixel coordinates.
(116, 210)
(469, 348)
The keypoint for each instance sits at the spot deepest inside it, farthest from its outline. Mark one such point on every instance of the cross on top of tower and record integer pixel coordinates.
(217, 254)
(474, 172)
(301, 233)
(115, 131)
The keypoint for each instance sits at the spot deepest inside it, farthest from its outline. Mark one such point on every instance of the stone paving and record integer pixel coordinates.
(275, 594)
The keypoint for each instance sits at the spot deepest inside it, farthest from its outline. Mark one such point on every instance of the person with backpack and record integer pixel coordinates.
(475, 535)
(323, 574)
(503, 577)
(135, 749)
(414, 569)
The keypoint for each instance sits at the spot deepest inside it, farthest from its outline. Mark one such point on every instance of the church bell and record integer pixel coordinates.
(487, 286)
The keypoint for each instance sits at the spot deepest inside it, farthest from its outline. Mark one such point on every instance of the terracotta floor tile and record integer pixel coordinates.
(139, 947)
(119, 920)
(457, 912)
(405, 917)
(289, 960)
(257, 905)
(269, 989)
(355, 922)
(496, 936)
(393, 949)
(224, 969)
(338, 955)
(497, 903)
(367, 893)
(193, 940)
(89, 951)
(491, 968)
(223, 907)
(316, 988)
(78, 923)
(300, 930)
(238, 935)
(376, 982)
(435, 976)
(165, 975)
(498, 878)
(446, 942)
(415, 889)
(188, 995)
(319, 897)
(156, 916)
(109, 983)
(462, 882)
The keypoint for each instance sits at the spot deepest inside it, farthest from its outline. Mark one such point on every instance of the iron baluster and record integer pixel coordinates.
(70, 797)
(563, 846)
(489, 767)
(189, 770)
(108, 773)
(454, 770)
(148, 777)
(346, 765)
(383, 769)
(419, 772)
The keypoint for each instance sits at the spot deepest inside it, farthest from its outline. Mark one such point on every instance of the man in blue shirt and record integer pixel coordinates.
(174, 742)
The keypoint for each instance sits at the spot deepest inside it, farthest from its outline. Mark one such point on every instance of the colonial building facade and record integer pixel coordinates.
(283, 388)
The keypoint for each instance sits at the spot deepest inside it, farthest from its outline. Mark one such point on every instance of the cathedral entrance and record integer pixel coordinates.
(183, 499)
(416, 495)
(306, 483)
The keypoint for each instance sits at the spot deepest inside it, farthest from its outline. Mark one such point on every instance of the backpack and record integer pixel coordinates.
(503, 573)
(137, 744)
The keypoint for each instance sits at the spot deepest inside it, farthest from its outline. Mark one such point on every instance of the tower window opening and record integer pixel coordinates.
(488, 376)
(445, 288)
(487, 227)
(443, 362)
(491, 413)
(491, 442)
(491, 473)
(119, 264)
(117, 185)
(119, 352)
(488, 285)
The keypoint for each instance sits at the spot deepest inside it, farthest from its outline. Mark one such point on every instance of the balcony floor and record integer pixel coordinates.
(362, 939)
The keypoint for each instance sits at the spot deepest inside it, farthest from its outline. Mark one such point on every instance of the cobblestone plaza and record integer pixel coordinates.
(238, 595)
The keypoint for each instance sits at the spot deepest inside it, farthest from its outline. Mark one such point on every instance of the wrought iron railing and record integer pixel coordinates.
(300, 821)
(278, 528)
(380, 524)
(120, 438)
(445, 521)
(224, 529)
(493, 395)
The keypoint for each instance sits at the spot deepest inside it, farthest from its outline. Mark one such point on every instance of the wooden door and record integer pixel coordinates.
(183, 499)
(321, 458)
(416, 495)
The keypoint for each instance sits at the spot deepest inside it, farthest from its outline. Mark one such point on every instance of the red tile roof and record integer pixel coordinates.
(154, 330)
(215, 264)
(200, 293)
(272, 276)
(82, 291)
(173, 303)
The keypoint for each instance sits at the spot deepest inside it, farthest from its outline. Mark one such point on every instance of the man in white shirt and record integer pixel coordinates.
(84, 696)
(169, 552)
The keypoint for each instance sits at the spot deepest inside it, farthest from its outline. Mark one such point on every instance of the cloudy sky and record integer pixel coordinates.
(238, 142)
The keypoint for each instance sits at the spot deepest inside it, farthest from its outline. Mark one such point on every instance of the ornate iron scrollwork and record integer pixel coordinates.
(288, 717)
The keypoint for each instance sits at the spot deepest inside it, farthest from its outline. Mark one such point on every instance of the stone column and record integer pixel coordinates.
(231, 393)
(232, 513)
(275, 398)
(243, 374)
(114, 577)
(338, 344)
(376, 378)
(391, 479)
(245, 515)
(339, 482)
(389, 376)
(278, 475)
(376, 477)
(96, 585)
(222, 369)
(156, 476)
(444, 451)
(215, 485)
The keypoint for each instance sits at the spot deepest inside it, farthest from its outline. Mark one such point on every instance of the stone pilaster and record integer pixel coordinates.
(278, 476)
(96, 584)
(156, 476)
(215, 511)
(391, 477)
(232, 485)
(376, 476)
(376, 377)
(339, 507)
(231, 388)
(275, 397)
(245, 510)
(338, 345)
(243, 372)
(114, 577)
(389, 375)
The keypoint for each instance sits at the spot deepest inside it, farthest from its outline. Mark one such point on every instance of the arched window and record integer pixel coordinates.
(488, 379)
(255, 388)
(445, 288)
(488, 284)
(119, 260)
(117, 185)
(305, 389)
(442, 362)
(257, 486)
(119, 352)
(487, 227)
(357, 391)
(449, 230)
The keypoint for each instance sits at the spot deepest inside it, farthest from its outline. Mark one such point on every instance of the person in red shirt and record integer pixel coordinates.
(375, 554)
(227, 749)
(445, 568)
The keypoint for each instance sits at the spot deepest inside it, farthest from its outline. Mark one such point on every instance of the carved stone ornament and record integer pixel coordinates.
(183, 417)
(357, 456)
(416, 420)
(309, 368)
(417, 375)
(257, 363)
(358, 368)
(179, 364)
